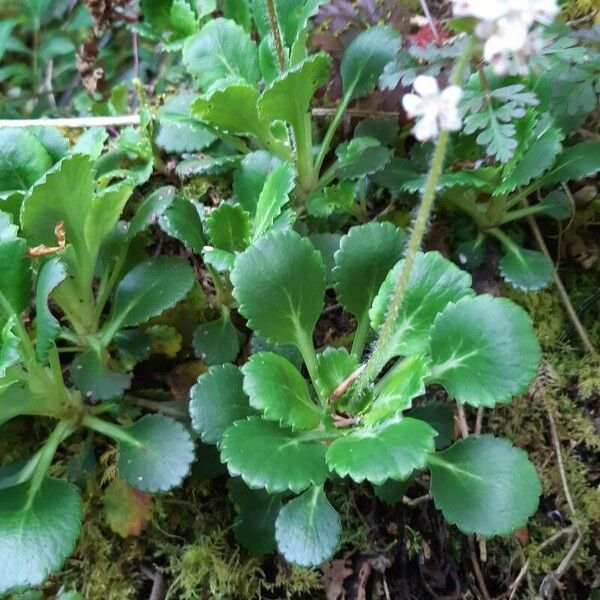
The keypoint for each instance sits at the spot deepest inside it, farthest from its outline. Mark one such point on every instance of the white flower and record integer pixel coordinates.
(436, 111)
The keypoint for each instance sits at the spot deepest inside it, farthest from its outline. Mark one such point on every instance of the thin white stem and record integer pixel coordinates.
(76, 122)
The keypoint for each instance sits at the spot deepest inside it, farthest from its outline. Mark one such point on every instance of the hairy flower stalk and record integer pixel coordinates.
(379, 355)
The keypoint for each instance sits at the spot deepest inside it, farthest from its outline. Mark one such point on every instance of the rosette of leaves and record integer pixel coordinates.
(40, 516)
(286, 435)
(256, 99)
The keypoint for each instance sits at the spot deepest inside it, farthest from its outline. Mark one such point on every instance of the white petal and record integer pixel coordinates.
(425, 85)
(413, 105)
(426, 128)
(450, 120)
(513, 33)
(451, 95)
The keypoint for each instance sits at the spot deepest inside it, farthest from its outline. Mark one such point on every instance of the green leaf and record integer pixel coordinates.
(181, 221)
(270, 457)
(539, 157)
(228, 227)
(159, 455)
(278, 390)
(366, 57)
(239, 11)
(216, 342)
(273, 197)
(335, 365)
(484, 350)
(36, 533)
(151, 208)
(308, 529)
(47, 327)
(90, 142)
(208, 165)
(157, 13)
(360, 157)
(9, 346)
(366, 255)
(92, 375)
(576, 162)
(400, 448)
(254, 525)
(217, 401)
(440, 415)
(150, 288)
(327, 244)
(233, 109)
(289, 351)
(484, 485)
(177, 131)
(281, 299)
(527, 270)
(403, 383)
(288, 97)
(15, 275)
(220, 260)
(221, 50)
(334, 197)
(23, 159)
(249, 178)
(434, 282)
(557, 205)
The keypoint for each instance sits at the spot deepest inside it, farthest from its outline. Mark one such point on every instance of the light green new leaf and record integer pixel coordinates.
(434, 282)
(228, 227)
(249, 178)
(181, 221)
(484, 350)
(273, 197)
(217, 401)
(403, 383)
(308, 529)
(23, 159)
(270, 457)
(254, 525)
(149, 289)
(216, 342)
(576, 162)
(527, 270)
(47, 327)
(335, 365)
(36, 533)
(484, 485)
(282, 299)
(221, 50)
(159, 455)
(366, 57)
(288, 97)
(366, 255)
(278, 390)
(400, 448)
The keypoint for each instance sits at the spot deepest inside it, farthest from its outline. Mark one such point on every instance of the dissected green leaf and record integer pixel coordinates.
(216, 342)
(400, 448)
(228, 227)
(159, 456)
(270, 457)
(366, 57)
(308, 529)
(281, 299)
(484, 350)
(484, 485)
(527, 270)
(36, 533)
(434, 282)
(47, 326)
(335, 365)
(254, 525)
(249, 178)
(217, 401)
(150, 288)
(278, 390)
(273, 197)
(221, 50)
(403, 383)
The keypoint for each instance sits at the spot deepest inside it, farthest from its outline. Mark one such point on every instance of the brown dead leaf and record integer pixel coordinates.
(522, 536)
(334, 576)
(42, 250)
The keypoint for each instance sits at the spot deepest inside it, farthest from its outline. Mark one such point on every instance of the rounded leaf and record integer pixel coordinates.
(276, 387)
(279, 283)
(38, 533)
(391, 451)
(308, 529)
(527, 270)
(270, 457)
(484, 350)
(217, 401)
(484, 485)
(216, 342)
(161, 456)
